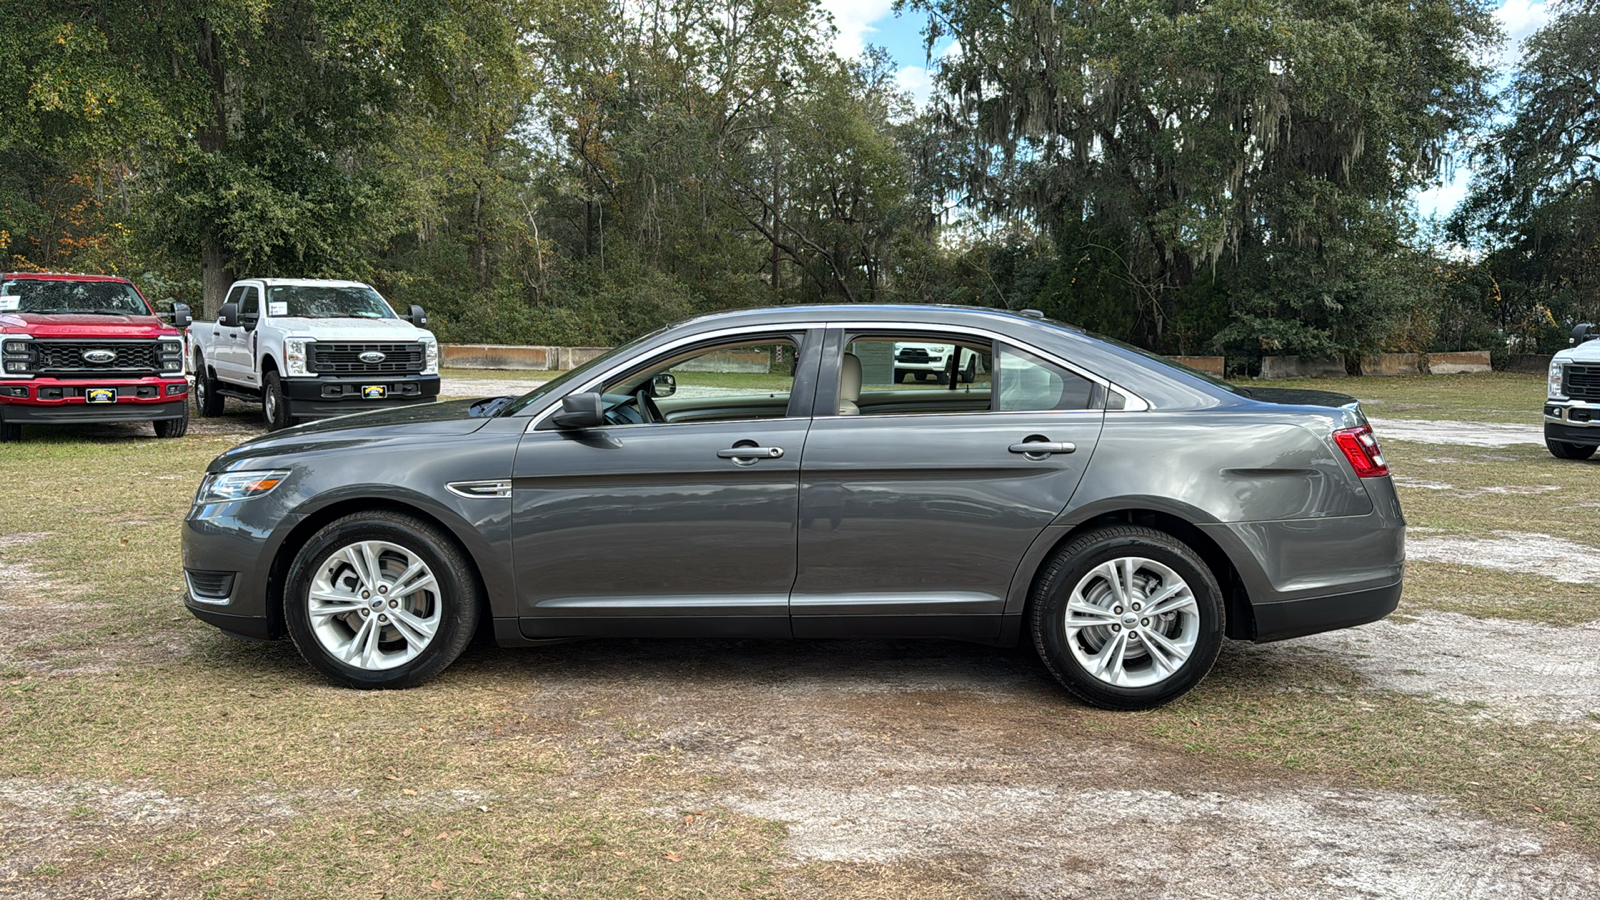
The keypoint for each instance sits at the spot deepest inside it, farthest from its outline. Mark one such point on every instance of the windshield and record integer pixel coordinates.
(321, 301)
(107, 298)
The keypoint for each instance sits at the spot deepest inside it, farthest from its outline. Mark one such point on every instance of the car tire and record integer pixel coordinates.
(10, 432)
(899, 376)
(1567, 450)
(207, 402)
(274, 405)
(367, 631)
(173, 428)
(970, 373)
(1093, 635)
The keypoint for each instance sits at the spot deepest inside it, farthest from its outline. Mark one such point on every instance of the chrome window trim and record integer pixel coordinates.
(668, 349)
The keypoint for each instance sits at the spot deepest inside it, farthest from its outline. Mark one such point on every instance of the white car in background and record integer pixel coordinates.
(921, 360)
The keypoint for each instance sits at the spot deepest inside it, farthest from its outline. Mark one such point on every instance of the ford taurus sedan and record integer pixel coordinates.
(763, 474)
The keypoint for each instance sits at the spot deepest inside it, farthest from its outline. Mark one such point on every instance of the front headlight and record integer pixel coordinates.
(430, 357)
(295, 353)
(225, 487)
(1554, 387)
(171, 357)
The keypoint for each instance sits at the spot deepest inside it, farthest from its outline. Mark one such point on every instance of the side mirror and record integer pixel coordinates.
(418, 317)
(180, 316)
(228, 316)
(586, 410)
(1583, 333)
(663, 385)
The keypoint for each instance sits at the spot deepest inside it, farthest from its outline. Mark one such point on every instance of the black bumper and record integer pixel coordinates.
(84, 413)
(248, 628)
(1312, 615)
(322, 398)
(1573, 434)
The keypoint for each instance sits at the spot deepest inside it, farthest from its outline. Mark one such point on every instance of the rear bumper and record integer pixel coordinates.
(322, 398)
(1312, 615)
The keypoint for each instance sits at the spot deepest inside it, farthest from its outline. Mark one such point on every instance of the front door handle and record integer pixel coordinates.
(1041, 449)
(751, 453)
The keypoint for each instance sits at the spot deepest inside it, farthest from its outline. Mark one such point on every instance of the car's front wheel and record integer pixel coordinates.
(1567, 450)
(381, 600)
(1127, 617)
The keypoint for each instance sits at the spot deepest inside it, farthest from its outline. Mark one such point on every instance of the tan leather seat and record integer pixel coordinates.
(850, 385)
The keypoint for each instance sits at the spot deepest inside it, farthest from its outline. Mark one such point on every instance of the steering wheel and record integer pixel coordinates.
(648, 411)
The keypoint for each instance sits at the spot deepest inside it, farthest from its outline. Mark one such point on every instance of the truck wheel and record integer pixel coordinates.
(970, 373)
(899, 375)
(173, 428)
(1565, 450)
(381, 600)
(10, 432)
(274, 406)
(1127, 617)
(207, 402)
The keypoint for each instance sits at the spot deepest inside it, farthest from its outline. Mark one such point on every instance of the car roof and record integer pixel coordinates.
(63, 276)
(308, 282)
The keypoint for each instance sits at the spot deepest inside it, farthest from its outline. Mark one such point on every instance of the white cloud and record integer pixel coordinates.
(916, 81)
(1520, 18)
(853, 19)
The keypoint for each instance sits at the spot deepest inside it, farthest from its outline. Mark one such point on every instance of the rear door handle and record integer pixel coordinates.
(751, 453)
(1042, 448)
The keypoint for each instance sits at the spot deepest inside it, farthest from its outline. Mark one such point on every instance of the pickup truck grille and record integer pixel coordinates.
(328, 358)
(1582, 382)
(66, 359)
(912, 355)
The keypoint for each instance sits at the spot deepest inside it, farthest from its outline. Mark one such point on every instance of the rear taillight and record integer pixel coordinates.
(1360, 446)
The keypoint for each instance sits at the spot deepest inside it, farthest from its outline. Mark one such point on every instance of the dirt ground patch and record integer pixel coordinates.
(1510, 551)
(1466, 434)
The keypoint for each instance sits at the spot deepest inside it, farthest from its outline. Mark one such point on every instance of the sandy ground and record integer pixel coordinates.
(1460, 434)
(1530, 553)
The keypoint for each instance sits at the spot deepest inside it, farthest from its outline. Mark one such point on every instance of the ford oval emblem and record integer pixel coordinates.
(373, 356)
(99, 356)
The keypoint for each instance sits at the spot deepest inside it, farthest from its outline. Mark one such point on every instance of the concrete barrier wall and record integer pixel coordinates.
(1295, 367)
(1532, 363)
(1211, 365)
(1459, 363)
(509, 356)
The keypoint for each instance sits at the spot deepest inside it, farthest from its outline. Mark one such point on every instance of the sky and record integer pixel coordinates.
(874, 22)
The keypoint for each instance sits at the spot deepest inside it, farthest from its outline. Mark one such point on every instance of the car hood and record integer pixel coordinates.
(404, 423)
(78, 325)
(1586, 352)
(353, 328)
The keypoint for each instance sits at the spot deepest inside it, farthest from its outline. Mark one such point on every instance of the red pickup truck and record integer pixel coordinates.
(88, 348)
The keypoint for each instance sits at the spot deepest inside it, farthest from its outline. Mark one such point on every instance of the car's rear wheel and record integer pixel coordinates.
(1127, 617)
(207, 402)
(381, 600)
(173, 428)
(1566, 450)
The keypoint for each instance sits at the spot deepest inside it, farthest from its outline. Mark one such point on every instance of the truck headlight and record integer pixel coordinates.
(16, 356)
(296, 351)
(171, 357)
(1553, 390)
(430, 357)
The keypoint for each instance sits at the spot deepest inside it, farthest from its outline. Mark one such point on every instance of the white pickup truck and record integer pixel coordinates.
(308, 349)
(1572, 398)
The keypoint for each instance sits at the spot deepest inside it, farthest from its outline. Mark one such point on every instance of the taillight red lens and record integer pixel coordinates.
(1360, 446)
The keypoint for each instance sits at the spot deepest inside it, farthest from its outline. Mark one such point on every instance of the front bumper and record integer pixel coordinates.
(1572, 422)
(322, 398)
(48, 401)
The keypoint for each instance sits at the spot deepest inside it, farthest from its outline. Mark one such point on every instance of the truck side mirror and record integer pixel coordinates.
(1583, 333)
(180, 316)
(418, 317)
(585, 410)
(228, 316)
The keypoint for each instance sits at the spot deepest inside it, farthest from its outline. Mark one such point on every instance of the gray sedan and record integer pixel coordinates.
(763, 474)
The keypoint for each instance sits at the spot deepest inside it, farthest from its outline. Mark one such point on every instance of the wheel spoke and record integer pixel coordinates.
(414, 579)
(1108, 573)
(1127, 583)
(1166, 656)
(417, 632)
(1107, 665)
(1079, 610)
(369, 649)
(1174, 598)
(353, 649)
(328, 603)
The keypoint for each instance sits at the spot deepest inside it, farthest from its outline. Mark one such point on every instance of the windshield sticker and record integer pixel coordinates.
(10, 304)
(278, 309)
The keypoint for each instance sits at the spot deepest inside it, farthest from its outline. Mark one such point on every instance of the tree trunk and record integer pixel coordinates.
(215, 273)
(215, 276)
